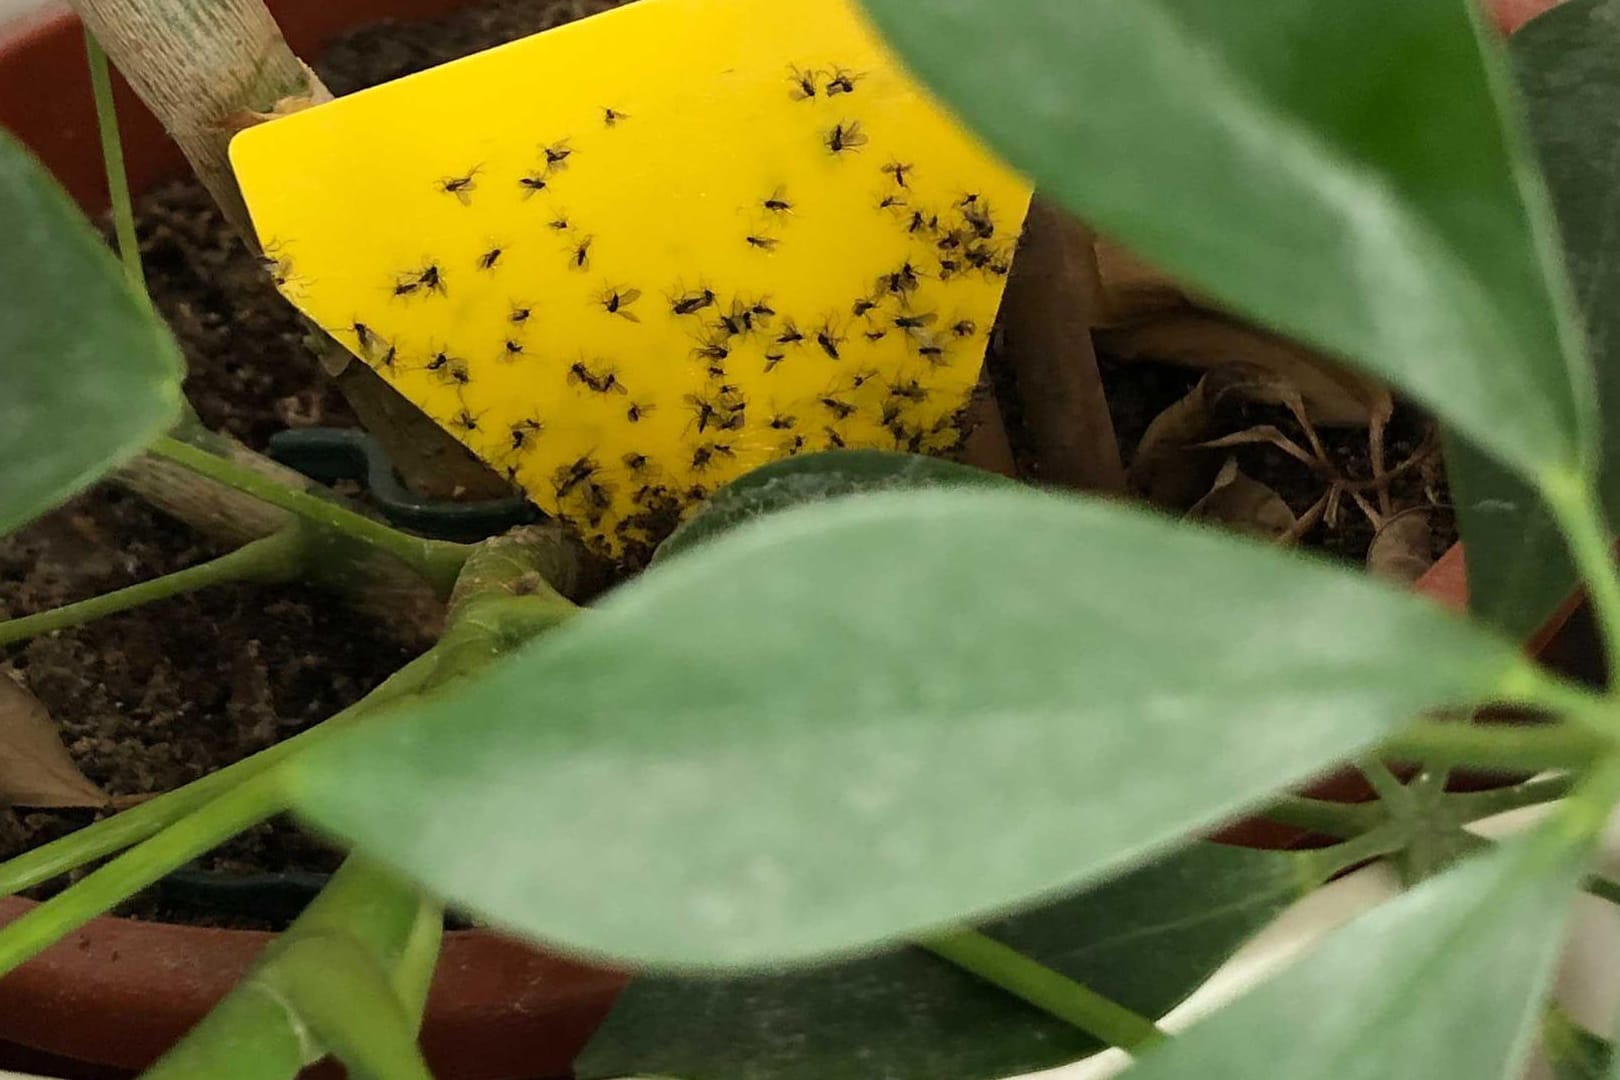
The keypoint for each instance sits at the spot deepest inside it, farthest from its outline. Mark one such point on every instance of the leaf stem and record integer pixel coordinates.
(1604, 888)
(1510, 747)
(1385, 784)
(277, 557)
(1046, 989)
(1343, 820)
(436, 561)
(140, 822)
(1573, 500)
(97, 893)
(112, 155)
(1328, 863)
(1473, 805)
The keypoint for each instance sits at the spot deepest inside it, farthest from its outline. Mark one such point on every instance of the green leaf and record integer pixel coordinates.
(87, 373)
(847, 723)
(1348, 173)
(1145, 940)
(1441, 983)
(816, 478)
(1568, 63)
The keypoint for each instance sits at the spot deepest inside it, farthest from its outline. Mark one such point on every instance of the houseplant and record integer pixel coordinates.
(694, 870)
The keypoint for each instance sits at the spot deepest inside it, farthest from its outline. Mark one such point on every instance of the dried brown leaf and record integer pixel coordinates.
(35, 769)
(1400, 550)
(1331, 395)
(1241, 502)
(1163, 469)
(1268, 434)
(1171, 466)
(1130, 288)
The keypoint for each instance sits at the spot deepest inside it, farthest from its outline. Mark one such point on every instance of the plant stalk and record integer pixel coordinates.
(1575, 504)
(112, 155)
(1509, 747)
(99, 891)
(505, 595)
(131, 826)
(1604, 888)
(278, 557)
(1343, 820)
(436, 561)
(1473, 805)
(1046, 989)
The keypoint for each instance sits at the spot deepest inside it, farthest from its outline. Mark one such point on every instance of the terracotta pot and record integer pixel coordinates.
(114, 996)
(119, 992)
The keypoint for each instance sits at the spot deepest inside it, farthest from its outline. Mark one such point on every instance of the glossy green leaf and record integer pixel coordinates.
(87, 373)
(1350, 173)
(816, 478)
(1568, 63)
(846, 723)
(1145, 940)
(1441, 983)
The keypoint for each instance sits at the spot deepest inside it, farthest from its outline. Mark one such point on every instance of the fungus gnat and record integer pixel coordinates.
(616, 301)
(557, 155)
(580, 259)
(830, 337)
(691, 303)
(524, 432)
(898, 170)
(804, 83)
(845, 136)
(461, 187)
(568, 477)
(843, 81)
(914, 322)
(603, 382)
(840, 409)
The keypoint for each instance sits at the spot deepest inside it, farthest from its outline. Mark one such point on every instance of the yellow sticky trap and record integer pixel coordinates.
(628, 259)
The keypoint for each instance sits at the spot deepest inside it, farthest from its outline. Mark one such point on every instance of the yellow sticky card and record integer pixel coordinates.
(630, 258)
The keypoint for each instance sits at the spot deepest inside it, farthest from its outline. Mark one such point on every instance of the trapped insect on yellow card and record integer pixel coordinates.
(627, 259)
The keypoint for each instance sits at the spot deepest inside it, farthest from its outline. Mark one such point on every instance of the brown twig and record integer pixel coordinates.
(1047, 318)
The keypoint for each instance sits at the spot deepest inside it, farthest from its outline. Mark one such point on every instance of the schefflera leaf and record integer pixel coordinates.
(810, 478)
(1352, 174)
(844, 724)
(1145, 940)
(1442, 982)
(1568, 63)
(87, 373)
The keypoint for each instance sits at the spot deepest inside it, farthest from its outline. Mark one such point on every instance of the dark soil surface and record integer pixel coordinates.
(154, 698)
